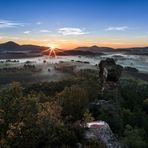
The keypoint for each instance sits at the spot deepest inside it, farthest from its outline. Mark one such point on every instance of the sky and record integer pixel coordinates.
(72, 23)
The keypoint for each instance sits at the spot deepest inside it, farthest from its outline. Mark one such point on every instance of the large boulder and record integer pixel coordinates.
(109, 71)
(100, 131)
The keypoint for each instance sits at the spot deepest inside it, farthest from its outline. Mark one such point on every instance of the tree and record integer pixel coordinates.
(134, 137)
(24, 121)
(87, 117)
(74, 102)
(145, 105)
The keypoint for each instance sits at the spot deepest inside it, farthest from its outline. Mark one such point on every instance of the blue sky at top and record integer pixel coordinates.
(109, 19)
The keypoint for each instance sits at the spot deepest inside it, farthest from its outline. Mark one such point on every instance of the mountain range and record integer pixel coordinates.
(109, 49)
(12, 47)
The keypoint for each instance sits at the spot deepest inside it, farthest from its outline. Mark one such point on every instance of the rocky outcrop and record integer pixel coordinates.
(100, 131)
(109, 72)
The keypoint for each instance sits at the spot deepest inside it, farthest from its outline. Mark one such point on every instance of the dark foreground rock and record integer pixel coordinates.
(100, 131)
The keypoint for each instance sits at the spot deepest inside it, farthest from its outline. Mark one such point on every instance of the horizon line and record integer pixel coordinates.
(76, 46)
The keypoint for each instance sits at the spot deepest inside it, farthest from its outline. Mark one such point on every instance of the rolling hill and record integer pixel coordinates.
(33, 50)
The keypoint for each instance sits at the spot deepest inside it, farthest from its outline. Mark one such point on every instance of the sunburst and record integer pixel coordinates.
(52, 46)
(51, 50)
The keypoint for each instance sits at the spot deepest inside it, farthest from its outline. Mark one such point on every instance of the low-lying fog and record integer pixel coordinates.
(47, 64)
(138, 61)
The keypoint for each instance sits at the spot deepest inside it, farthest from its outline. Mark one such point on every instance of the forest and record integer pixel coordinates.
(49, 114)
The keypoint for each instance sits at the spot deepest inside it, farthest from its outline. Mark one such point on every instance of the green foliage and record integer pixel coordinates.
(29, 123)
(133, 92)
(50, 114)
(134, 137)
(112, 117)
(145, 105)
(49, 89)
(74, 101)
(88, 81)
(87, 117)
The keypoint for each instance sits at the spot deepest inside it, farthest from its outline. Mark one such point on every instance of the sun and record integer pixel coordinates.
(51, 50)
(52, 46)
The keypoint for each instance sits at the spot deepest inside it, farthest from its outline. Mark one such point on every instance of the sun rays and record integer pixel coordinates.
(53, 51)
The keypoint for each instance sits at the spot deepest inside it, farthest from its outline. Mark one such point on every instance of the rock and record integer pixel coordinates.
(79, 145)
(100, 131)
(109, 72)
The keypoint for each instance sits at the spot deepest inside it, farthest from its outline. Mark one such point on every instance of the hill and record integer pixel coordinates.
(14, 48)
(95, 49)
(10, 47)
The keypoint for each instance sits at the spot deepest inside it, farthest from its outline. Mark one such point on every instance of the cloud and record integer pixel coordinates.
(71, 31)
(44, 31)
(121, 28)
(27, 32)
(10, 24)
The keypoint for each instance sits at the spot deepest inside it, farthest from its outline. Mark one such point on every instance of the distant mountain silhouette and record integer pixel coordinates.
(9, 46)
(134, 49)
(95, 49)
(79, 52)
(13, 47)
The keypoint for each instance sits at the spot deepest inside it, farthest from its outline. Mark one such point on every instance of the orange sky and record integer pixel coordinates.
(73, 43)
